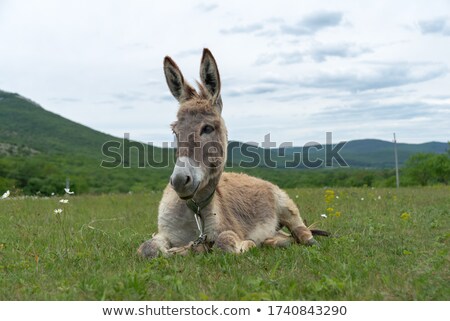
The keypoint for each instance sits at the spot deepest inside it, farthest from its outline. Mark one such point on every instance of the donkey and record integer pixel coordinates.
(202, 207)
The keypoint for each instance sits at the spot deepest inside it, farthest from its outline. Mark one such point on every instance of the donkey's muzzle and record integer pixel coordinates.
(185, 178)
(180, 182)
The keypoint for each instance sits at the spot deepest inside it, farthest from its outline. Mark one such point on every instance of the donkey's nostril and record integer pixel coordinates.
(180, 182)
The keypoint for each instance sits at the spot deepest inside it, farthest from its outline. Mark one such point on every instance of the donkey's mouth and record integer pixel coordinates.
(188, 197)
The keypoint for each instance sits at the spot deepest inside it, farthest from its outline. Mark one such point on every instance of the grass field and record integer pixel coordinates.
(389, 245)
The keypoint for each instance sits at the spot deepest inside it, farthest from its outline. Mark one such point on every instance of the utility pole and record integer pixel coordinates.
(397, 178)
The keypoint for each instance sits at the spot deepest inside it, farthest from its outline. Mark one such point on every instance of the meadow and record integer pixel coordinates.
(388, 244)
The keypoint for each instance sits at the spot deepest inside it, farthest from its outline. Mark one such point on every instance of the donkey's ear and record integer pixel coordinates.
(178, 87)
(209, 74)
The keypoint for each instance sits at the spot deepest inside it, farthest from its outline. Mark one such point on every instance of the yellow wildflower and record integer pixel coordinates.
(405, 216)
(329, 196)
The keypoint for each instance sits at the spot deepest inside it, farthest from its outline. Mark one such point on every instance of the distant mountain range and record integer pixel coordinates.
(364, 153)
(27, 129)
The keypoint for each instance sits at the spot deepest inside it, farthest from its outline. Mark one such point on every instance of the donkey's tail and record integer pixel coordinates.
(317, 232)
(320, 233)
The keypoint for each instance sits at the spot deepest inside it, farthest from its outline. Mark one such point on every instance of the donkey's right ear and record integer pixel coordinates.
(209, 74)
(181, 90)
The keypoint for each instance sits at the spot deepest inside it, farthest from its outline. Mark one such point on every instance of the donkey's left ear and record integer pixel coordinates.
(209, 75)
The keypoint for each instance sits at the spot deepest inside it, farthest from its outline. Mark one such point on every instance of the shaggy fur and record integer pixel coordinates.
(245, 211)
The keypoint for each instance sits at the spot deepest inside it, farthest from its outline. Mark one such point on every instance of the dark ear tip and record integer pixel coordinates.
(169, 61)
(206, 52)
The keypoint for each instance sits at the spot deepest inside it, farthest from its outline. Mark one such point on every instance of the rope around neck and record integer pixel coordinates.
(196, 208)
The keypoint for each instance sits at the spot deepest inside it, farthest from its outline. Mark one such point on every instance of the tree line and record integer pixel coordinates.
(44, 175)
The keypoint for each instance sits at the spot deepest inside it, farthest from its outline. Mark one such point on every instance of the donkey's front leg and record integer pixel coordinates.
(190, 247)
(152, 248)
(229, 241)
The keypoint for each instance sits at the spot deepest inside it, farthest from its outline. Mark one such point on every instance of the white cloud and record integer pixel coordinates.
(313, 23)
(439, 25)
(321, 51)
(243, 29)
(375, 76)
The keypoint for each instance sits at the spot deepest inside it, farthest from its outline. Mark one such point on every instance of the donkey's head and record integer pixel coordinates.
(200, 130)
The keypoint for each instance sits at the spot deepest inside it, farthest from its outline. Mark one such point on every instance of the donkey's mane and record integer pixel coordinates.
(198, 101)
(204, 94)
(191, 93)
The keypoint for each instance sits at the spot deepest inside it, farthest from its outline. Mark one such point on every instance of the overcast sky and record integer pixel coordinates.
(294, 69)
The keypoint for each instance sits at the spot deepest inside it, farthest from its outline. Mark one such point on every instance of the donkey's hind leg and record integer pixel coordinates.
(229, 241)
(281, 239)
(289, 216)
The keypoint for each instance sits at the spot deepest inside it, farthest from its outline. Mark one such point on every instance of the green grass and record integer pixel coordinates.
(90, 254)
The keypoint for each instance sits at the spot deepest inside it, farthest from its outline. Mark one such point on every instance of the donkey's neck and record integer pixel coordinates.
(214, 174)
(206, 191)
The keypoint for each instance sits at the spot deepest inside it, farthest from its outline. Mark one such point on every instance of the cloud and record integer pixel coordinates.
(313, 23)
(372, 82)
(251, 90)
(288, 58)
(265, 59)
(321, 52)
(126, 107)
(130, 96)
(187, 53)
(317, 52)
(65, 100)
(135, 46)
(376, 76)
(295, 97)
(308, 25)
(375, 111)
(440, 25)
(243, 29)
(207, 7)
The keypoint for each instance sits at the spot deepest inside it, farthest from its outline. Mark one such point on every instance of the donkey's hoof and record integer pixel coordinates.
(148, 250)
(312, 242)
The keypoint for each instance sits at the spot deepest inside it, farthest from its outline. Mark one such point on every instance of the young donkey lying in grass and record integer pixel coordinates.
(233, 212)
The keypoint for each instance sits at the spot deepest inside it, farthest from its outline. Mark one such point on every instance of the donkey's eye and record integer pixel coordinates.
(207, 129)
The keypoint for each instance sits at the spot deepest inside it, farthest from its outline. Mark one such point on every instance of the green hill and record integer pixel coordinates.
(380, 154)
(25, 124)
(39, 150)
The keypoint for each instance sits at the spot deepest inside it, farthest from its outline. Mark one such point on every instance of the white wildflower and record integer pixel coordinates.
(64, 201)
(68, 191)
(379, 197)
(362, 198)
(5, 195)
(296, 196)
(337, 196)
(58, 211)
(323, 215)
(53, 194)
